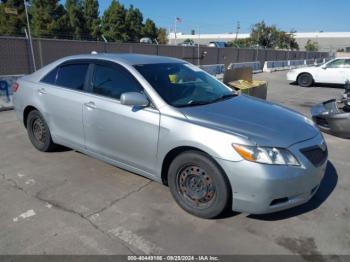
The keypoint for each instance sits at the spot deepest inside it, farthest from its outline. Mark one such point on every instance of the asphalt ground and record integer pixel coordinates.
(68, 203)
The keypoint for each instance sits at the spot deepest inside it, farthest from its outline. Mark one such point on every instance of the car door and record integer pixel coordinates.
(122, 133)
(334, 72)
(61, 94)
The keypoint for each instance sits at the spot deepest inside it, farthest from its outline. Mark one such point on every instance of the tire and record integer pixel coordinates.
(198, 184)
(305, 80)
(39, 133)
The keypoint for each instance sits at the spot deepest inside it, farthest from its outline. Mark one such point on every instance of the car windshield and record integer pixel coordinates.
(182, 85)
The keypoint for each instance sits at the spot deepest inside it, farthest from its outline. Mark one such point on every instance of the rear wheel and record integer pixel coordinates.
(39, 133)
(305, 80)
(198, 185)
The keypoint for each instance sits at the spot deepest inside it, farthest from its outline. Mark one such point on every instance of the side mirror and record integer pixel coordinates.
(134, 99)
(324, 67)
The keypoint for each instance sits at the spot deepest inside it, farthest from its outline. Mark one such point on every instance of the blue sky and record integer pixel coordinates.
(221, 16)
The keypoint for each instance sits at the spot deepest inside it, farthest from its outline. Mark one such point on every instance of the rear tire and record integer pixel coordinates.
(198, 184)
(305, 80)
(39, 133)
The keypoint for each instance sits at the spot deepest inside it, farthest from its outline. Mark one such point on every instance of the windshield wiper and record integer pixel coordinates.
(195, 103)
(224, 97)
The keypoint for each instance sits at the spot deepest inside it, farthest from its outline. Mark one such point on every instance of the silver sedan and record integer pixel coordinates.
(167, 120)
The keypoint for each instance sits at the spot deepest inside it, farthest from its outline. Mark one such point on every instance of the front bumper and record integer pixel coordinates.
(330, 119)
(260, 188)
(292, 76)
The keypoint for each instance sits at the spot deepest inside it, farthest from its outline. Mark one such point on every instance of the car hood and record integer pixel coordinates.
(264, 123)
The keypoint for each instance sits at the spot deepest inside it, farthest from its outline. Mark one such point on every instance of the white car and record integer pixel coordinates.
(336, 71)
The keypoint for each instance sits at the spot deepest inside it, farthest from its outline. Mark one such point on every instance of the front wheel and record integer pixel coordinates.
(198, 185)
(305, 80)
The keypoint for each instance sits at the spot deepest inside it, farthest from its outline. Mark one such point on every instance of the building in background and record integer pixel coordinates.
(327, 41)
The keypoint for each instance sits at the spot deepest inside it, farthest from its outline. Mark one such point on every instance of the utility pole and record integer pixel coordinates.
(198, 51)
(175, 30)
(238, 27)
(29, 33)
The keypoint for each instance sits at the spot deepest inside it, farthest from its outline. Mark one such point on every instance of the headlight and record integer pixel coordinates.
(266, 155)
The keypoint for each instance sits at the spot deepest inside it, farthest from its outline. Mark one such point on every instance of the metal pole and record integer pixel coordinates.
(257, 47)
(29, 34)
(198, 52)
(175, 31)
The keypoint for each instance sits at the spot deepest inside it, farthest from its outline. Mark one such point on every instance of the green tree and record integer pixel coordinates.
(162, 37)
(241, 43)
(271, 37)
(149, 29)
(311, 46)
(91, 19)
(188, 41)
(113, 22)
(75, 19)
(11, 24)
(133, 23)
(46, 18)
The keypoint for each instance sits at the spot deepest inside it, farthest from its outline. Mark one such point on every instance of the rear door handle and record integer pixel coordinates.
(90, 105)
(42, 91)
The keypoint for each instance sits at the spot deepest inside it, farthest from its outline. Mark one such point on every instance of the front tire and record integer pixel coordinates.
(305, 80)
(39, 133)
(198, 184)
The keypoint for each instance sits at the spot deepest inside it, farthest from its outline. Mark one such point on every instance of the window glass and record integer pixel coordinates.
(112, 81)
(72, 76)
(347, 63)
(184, 84)
(50, 78)
(336, 63)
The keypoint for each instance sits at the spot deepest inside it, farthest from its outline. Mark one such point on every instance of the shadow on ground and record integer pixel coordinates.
(339, 86)
(327, 186)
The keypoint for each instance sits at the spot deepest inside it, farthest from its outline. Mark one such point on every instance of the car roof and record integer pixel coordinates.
(130, 59)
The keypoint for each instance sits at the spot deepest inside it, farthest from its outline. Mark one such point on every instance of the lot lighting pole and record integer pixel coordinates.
(29, 33)
(175, 31)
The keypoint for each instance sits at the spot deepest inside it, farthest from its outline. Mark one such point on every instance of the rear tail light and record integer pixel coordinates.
(15, 87)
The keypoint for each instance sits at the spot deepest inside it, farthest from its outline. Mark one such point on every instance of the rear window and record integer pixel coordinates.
(50, 78)
(72, 76)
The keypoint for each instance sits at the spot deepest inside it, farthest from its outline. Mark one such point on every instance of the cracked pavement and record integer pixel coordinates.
(68, 203)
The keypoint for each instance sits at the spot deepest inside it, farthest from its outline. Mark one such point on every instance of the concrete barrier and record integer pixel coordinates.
(270, 66)
(219, 69)
(215, 70)
(6, 83)
(256, 67)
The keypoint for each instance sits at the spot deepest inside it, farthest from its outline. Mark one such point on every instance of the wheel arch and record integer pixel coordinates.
(173, 153)
(26, 112)
(305, 72)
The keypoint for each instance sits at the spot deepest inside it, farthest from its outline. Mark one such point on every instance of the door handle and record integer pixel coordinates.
(42, 91)
(90, 105)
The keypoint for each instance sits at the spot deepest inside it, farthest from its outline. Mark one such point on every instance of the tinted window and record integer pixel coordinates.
(50, 78)
(347, 63)
(72, 76)
(112, 81)
(336, 63)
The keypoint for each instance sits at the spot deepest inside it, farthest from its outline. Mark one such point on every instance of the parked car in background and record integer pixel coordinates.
(336, 71)
(168, 120)
(217, 44)
(146, 40)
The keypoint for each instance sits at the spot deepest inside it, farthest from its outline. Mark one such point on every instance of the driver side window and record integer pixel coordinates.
(339, 63)
(113, 80)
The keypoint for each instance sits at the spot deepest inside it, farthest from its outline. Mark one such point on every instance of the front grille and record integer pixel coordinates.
(315, 155)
